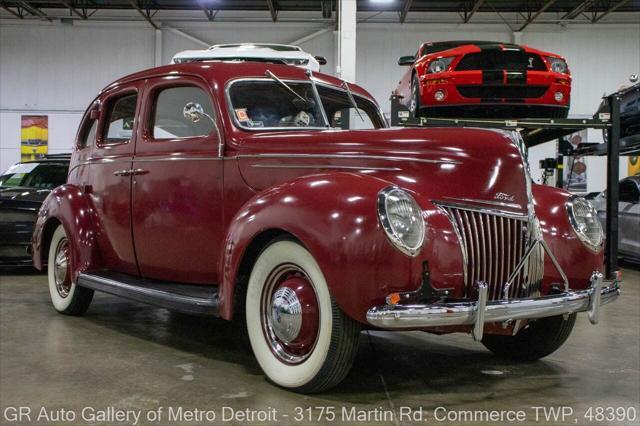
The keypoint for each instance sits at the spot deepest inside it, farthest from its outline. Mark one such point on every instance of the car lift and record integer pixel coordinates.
(540, 130)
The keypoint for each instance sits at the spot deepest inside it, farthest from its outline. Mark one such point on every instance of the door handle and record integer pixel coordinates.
(130, 172)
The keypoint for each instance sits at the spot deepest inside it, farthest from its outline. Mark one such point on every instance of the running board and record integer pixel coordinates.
(186, 298)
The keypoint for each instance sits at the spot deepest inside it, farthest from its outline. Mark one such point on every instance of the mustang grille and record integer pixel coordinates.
(510, 60)
(493, 245)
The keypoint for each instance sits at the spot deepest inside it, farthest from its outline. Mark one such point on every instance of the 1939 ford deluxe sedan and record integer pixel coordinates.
(272, 194)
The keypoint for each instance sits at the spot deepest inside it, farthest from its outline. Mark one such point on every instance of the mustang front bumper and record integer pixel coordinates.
(394, 317)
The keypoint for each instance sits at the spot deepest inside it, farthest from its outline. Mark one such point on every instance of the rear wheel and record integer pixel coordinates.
(300, 337)
(536, 340)
(66, 296)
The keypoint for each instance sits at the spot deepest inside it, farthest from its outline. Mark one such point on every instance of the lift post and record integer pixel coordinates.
(613, 190)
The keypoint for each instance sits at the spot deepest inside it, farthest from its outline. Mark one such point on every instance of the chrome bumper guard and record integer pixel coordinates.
(396, 317)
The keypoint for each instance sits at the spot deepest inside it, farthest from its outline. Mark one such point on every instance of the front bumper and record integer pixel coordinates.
(398, 317)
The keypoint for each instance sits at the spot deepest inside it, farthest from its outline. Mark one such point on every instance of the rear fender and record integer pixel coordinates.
(68, 206)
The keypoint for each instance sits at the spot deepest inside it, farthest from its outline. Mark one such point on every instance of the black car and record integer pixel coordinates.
(629, 111)
(23, 188)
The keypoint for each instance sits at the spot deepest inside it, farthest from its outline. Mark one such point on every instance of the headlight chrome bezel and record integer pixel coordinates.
(446, 62)
(557, 62)
(571, 212)
(392, 235)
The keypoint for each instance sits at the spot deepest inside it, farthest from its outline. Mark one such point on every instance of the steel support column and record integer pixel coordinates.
(346, 68)
(613, 172)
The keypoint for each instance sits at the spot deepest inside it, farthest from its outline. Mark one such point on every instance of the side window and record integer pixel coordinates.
(168, 121)
(120, 118)
(88, 134)
(343, 115)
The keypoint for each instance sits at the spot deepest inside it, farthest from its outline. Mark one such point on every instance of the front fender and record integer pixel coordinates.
(576, 259)
(334, 216)
(68, 206)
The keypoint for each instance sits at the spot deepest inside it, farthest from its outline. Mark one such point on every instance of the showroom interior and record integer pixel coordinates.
(126, 358)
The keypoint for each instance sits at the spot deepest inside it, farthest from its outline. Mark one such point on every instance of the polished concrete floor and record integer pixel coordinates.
(138, 358)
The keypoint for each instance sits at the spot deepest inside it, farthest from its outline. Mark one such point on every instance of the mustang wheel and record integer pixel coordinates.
(66, 297)
(300, 337)
(414, 106)
(537, 340)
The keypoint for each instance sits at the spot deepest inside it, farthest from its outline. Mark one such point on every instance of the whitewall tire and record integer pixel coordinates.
(300, 337)
(66, 297)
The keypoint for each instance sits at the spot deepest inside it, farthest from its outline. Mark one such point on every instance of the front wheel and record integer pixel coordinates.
(300, 337)
(66, 296)
(414, 105)
(536, 340)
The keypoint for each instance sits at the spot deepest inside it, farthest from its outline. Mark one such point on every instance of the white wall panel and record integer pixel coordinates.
(57, 69)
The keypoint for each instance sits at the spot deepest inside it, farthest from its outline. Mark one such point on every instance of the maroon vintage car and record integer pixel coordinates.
(277, 196)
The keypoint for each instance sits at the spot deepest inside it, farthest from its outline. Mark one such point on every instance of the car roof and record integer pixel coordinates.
(274, 46)
(221, 72)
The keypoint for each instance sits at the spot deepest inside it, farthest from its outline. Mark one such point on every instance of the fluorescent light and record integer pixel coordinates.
(382, 1)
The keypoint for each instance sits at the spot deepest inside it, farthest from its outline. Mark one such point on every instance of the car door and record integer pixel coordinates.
(177, 186)
(110, 189)
(629, 217)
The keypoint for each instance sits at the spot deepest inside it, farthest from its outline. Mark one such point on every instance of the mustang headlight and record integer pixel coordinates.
(584, 219)
(557, 65)
(401, 219)
(439, 65)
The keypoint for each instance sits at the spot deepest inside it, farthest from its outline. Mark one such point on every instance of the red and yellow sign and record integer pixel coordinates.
(34, 137)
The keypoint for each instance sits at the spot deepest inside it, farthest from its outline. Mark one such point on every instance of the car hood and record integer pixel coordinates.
(448, 165)
(22, 198)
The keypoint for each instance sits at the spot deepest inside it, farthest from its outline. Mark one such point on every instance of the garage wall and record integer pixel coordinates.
(57, 69)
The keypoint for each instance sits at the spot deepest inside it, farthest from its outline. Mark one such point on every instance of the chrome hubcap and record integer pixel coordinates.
(61, 272)
(290, 314)
(286, 314)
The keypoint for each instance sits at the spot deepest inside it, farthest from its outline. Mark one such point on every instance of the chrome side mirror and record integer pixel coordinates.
(193, 112)
(633, 78)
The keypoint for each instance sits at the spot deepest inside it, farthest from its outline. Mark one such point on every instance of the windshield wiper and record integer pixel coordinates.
(285, 85)
(352, 99)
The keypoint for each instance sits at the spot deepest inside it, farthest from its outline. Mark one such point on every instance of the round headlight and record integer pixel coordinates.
(585, 223)
(437, 66)
(401, 219)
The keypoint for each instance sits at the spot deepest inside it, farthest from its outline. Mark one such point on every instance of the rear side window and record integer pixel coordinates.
(168, 121)
(120, 118)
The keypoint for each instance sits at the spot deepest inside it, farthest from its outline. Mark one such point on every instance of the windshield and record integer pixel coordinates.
(268, 104)
(258, 104)
(35, 175)
(343, 114)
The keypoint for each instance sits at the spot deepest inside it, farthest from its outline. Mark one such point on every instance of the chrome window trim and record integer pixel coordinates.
(373, 102)
(314, 82)
(237, 124)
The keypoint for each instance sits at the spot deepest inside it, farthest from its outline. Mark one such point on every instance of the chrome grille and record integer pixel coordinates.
(493, 245)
